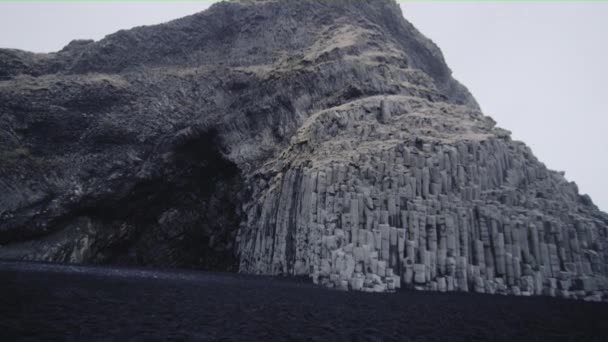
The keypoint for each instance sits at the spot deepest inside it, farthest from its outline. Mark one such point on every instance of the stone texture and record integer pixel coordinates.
(316, 138)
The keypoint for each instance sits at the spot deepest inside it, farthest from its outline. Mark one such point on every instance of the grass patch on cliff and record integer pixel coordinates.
(12, 156)
(20, 157)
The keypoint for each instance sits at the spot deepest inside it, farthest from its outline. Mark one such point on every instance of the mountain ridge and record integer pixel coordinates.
(319, 138)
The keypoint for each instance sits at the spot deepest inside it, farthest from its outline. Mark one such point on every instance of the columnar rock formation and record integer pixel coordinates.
(397, 194)
(317, 138)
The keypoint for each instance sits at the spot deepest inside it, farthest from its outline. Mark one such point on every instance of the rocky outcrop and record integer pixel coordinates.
(392, 191)
(317, 138)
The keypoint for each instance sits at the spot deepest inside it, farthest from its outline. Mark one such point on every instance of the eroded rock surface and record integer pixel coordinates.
(317, 138)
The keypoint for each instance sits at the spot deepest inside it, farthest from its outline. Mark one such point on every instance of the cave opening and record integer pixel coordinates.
(186, 216)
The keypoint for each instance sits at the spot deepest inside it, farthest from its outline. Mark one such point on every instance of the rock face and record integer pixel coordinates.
(318, 138)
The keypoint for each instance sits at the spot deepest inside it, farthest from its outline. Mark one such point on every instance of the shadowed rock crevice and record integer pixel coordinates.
(186, 216)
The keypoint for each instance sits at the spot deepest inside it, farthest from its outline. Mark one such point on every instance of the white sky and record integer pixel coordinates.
(539, 69)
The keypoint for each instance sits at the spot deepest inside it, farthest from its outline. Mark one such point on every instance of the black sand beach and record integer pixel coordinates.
(51, 302)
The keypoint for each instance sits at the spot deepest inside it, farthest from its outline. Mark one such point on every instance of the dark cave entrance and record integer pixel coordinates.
(186, 216)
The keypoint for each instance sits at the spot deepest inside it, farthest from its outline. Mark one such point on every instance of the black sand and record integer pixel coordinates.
(48, 302)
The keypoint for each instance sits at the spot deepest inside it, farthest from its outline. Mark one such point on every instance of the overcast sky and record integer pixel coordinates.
(539, 69)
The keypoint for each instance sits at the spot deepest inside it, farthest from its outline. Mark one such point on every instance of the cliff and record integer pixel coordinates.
(317, 138)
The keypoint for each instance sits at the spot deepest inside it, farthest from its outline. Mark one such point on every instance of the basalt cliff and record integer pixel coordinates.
(311, 138)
